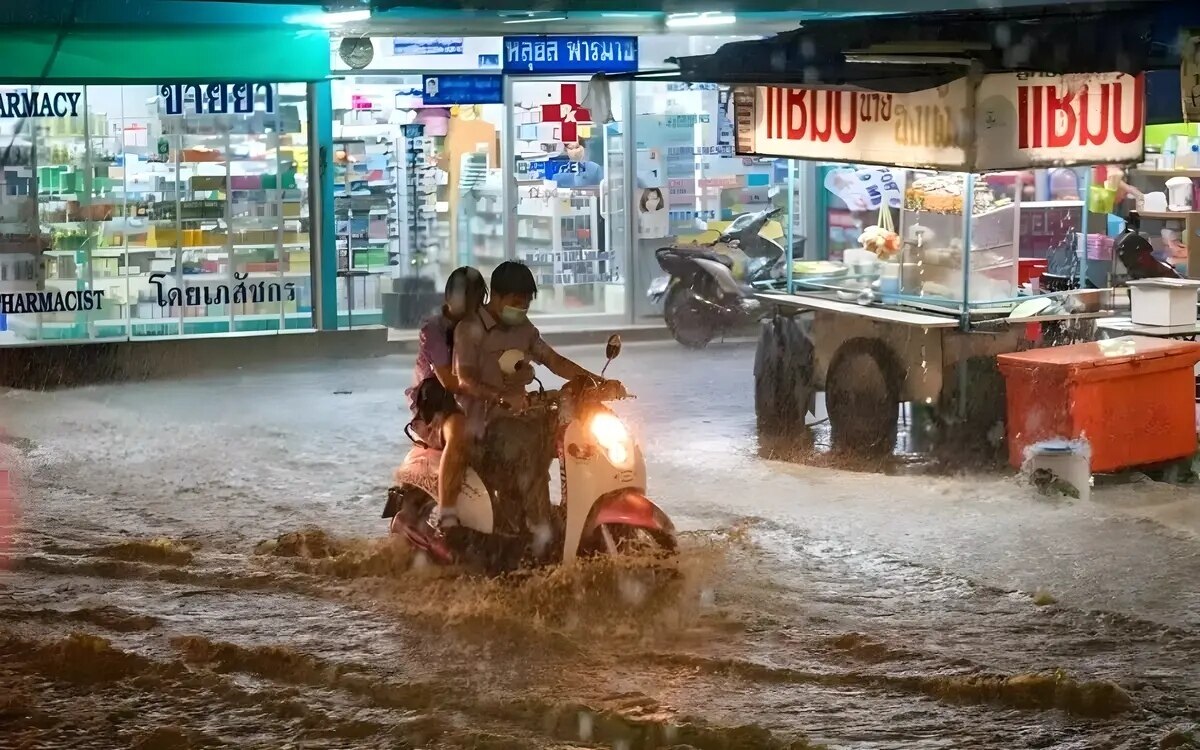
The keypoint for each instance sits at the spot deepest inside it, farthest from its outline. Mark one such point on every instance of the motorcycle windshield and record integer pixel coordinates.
(743, 222)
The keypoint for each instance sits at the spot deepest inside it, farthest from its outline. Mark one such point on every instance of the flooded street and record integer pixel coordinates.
(202, 563)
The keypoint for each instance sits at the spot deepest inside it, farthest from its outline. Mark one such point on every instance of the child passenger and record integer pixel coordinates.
(437, 419)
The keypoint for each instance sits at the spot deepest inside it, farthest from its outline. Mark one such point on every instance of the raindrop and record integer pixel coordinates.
(632, 590)
(1003, 36)
(586, 726)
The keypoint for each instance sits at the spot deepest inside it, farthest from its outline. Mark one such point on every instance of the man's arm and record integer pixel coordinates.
(557, 363)
(468, 340)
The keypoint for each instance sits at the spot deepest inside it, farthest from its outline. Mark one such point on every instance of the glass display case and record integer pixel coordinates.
(945, 258)
(909, 243)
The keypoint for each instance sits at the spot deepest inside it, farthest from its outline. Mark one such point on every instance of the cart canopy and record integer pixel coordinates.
(903, 53)
(919, 51)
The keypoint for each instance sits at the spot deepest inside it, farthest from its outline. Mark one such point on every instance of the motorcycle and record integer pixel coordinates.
(604, 508)
(1137, 254)
(710, 289)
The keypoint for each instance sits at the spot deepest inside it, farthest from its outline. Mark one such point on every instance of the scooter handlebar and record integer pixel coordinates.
(580, 389)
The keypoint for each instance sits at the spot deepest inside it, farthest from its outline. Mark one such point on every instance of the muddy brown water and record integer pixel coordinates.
(149, 601)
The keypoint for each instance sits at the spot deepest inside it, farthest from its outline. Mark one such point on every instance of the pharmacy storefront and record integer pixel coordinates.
(145, 207)
(460, 150)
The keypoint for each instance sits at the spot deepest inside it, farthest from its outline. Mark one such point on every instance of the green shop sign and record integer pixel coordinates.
(34, 103)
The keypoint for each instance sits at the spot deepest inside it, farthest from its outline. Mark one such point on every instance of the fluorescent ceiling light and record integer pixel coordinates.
(695, 20)
(339, 17)
(907, 60)
(537, 19)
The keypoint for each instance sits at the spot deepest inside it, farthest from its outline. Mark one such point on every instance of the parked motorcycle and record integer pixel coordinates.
(604, 507)
(1137, 254)
(709, 289)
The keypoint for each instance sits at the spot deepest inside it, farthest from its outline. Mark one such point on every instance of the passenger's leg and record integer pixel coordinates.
(537, 451)
(454, 460)
(495, 464)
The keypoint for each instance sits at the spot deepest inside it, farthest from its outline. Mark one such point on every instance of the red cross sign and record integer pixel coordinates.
(567, 112)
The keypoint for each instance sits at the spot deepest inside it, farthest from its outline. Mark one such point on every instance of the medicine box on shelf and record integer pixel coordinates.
(1163, 302)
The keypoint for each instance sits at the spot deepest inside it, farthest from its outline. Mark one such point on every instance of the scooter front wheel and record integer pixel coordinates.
(633, 541)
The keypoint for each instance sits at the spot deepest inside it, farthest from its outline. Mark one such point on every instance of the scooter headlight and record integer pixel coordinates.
(612, 436)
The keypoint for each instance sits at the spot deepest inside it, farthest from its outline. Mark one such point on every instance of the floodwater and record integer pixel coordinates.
(201, 563)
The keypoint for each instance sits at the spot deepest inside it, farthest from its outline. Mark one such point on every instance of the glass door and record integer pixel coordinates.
(417, 191)
(570, 199)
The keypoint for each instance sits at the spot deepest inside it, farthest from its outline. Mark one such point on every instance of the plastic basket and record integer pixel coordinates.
(1099, 247)
(1101, 199)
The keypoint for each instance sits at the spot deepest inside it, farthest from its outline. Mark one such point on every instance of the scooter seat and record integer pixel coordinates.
(699, 252)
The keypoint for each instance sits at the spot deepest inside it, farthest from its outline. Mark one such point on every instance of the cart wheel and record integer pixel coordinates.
(797, 391)
(862, 394)
(768, 358)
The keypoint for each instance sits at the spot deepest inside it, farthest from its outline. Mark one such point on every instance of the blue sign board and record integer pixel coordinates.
(570, 54)
(462, 88)
(434, 45)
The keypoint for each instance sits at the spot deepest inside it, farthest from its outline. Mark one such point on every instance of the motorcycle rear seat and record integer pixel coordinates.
(706, 254)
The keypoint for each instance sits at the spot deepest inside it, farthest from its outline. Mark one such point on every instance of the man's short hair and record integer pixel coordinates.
(512, 277)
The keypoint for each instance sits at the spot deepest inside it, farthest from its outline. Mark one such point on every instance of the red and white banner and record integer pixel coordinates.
(1022, 120)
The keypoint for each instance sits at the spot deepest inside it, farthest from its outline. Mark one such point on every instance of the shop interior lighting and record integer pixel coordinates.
(536, 19)
(339, 17)
(696, 20)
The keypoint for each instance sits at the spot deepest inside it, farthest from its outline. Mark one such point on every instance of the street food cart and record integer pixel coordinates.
(923, 319)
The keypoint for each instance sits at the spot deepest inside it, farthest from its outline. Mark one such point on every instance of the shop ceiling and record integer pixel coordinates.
(479, 17)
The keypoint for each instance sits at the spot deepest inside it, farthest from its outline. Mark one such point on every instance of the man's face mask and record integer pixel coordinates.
(513, 316)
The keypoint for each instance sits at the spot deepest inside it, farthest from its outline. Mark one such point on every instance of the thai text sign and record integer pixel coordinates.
(1022, 120)
(462, 88)
(570, 54)
(452, 45)
(215, 98)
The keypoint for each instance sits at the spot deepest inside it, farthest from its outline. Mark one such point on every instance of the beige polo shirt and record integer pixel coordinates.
(478, 343)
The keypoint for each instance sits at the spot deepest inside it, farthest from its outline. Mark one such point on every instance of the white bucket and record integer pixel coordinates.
(1069, 461)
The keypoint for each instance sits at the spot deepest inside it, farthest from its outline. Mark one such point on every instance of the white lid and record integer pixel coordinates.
(1167, 283)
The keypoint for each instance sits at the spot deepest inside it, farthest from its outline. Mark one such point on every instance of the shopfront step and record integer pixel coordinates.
(49, 367)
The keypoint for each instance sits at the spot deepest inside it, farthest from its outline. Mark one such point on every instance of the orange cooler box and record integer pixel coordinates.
(1132, 398)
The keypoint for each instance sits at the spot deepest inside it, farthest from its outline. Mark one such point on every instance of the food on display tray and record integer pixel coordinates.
(942, 193)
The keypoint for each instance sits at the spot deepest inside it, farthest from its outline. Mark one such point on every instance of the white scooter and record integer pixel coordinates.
(604, 506)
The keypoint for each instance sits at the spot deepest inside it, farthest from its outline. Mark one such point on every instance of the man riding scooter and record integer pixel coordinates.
(513, 451)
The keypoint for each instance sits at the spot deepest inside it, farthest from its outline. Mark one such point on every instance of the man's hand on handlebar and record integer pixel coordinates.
(514, 403)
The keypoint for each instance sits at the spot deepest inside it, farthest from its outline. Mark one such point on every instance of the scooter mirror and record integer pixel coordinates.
(613, 347)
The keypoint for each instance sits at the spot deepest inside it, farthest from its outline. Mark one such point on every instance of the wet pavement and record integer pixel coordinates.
(201, 563)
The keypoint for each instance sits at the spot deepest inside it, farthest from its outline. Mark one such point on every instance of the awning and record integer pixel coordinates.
(157, 55)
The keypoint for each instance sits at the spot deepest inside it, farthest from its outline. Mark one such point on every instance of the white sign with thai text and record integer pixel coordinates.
(1022, 120)
(922, 129)
(1036, 119)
